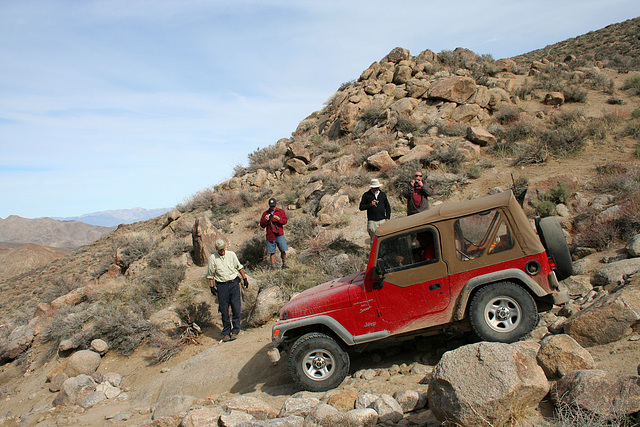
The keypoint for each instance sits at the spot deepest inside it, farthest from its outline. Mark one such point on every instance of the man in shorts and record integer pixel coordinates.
(273, 220)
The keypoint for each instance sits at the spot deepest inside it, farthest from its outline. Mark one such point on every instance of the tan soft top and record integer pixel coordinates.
(446, 211)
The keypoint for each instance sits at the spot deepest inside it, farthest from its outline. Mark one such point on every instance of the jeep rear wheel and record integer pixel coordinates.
(317, 362)
(554, 242)
(502, 312)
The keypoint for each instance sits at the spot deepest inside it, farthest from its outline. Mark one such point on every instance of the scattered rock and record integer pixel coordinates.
(560, 354)
(82, 362)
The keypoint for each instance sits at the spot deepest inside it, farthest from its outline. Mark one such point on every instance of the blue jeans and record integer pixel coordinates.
(229, 296)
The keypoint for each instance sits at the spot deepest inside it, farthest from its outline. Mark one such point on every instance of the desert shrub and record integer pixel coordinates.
(202, 200)
(371, 116)
(544, 208)
(164, 348)
(165, 254)
(559, 193)
(628, 223)
(568, 134)
(342, 221)
(345, 85)
(198, 313)
(621, 180)
(451, 156)
(443, 185)
(58, 286)
(519, 130)
(632, 84)
(253, 250)
(122, 326)
(406, 124)
(599, 128)
(526, 89)
(507, 114)
(130, 247)
(531, 153)
(474, 171)
(632, 129)
(268, 158)
(67, 324)
(300, 228)
(615, 101)
(157, 285)
(574, 93)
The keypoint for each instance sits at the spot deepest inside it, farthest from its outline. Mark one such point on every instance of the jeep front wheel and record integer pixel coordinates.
(317, 362)
(502, 312)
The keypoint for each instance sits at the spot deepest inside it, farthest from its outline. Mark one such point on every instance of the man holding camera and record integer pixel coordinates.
(377, 205)
(416, 193)
(223, 269)
(273, 220)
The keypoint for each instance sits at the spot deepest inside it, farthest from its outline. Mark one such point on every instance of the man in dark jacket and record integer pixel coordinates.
(273, 220)
(376, 204)
(416, 193)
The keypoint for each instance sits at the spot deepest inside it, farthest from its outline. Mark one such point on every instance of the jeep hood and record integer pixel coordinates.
(328, 296)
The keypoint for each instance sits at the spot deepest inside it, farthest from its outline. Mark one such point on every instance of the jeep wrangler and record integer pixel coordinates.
(477, 263)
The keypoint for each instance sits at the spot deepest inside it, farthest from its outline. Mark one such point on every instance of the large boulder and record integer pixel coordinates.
(608, 319)
(18, 341)
(298, 406)
(176, 404)
(381, 161)
(561, 354)
(267, 304)
(606, 394)
(485, 383)
(75, 390)
(614, 273)
(455, 89)
(480, 136)
(251, 405)
(82, 362)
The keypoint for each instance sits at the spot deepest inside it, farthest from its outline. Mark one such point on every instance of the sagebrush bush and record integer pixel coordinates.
(371, 116)
(507, 114)
(122, 326)
(202, 200)
(254, 250)
(300, 228)
(198, 313)
(632, 84)
(531, 153)
(132, 246)
(451, 156)
(574, 93)
(164, 348)
(406, 124)
(158, 285)
(268, 158)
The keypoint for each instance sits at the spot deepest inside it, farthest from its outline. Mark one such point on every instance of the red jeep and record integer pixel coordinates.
(477, 262)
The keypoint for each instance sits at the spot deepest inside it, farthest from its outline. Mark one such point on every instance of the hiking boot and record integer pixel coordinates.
(272, 265)
(226, 338)
(284, 265)
(233, 337)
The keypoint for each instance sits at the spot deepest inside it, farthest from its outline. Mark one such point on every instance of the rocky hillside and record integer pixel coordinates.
(561, 132)
(23, 258)
(49, 232)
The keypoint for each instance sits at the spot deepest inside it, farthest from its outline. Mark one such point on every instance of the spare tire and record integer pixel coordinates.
(553, 239)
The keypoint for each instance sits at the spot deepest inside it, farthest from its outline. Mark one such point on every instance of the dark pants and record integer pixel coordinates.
(229, 295)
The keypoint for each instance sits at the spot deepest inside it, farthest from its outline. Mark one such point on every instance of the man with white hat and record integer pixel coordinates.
(223, 269)
(377, 205)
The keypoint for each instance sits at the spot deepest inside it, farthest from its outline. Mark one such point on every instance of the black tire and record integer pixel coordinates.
(553, 239)
(502, 312)
(317, 362)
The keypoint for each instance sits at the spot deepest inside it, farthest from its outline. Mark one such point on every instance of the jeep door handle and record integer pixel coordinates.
(434, 287)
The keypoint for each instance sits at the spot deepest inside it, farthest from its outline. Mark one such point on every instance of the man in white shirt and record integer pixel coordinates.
(223, 270)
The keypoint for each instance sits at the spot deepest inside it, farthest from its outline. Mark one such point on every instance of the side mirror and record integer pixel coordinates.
(381, 270)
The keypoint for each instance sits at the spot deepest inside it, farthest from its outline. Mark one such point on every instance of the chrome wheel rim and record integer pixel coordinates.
(503, 314)
(318, 365)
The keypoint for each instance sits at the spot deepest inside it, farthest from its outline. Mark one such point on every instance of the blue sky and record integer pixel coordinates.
(115, 104)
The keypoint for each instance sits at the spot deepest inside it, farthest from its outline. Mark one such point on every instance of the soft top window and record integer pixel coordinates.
(418, 247)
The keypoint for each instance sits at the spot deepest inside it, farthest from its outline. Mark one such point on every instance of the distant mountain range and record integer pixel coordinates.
(116, 217)
(68, 235)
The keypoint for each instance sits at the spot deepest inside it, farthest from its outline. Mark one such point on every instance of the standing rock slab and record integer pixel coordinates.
(485, 384)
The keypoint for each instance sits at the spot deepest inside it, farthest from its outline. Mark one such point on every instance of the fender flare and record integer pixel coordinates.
(508, 274)
(331, 323)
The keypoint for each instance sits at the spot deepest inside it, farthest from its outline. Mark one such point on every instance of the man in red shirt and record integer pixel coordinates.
(273, 220)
